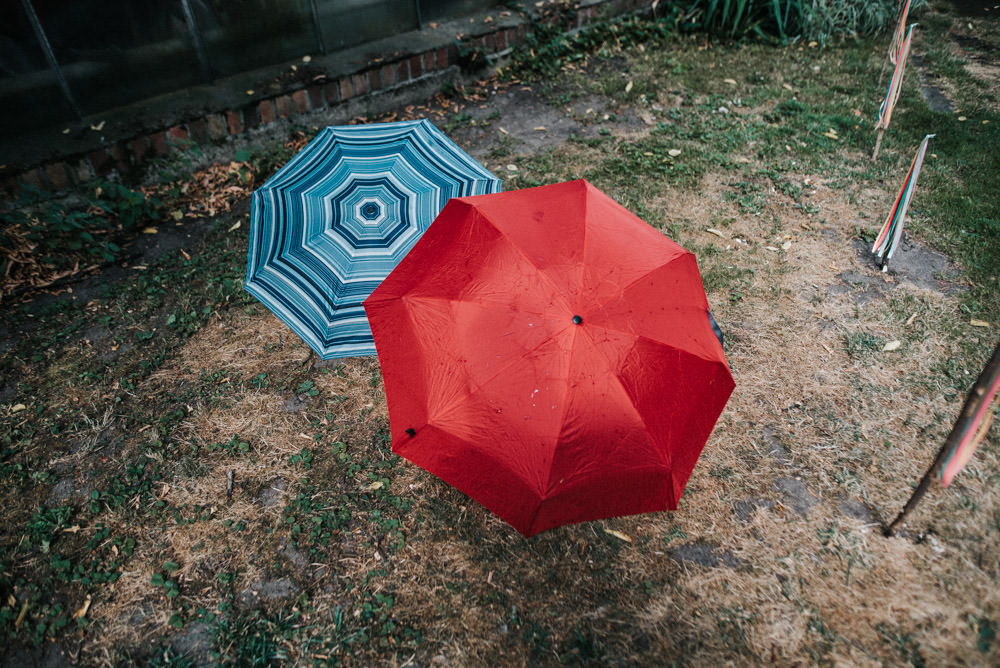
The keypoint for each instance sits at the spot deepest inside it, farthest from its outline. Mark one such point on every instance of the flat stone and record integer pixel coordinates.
(705, 554)
(747, 507)
(795, 495)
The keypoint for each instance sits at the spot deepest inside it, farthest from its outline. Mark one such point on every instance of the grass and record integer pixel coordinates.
(128, 410)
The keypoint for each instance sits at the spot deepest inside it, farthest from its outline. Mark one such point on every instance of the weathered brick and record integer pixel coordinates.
(251, 118)
(301, 101)
(489, 42)
(359, 82)
(101, 161)
(283, 105)
(81, 171)
(266, 111)
(403, 71)
(234, 122)
(177, 135)
(442, 58)
(500, 37)
(429, 59)
(346, 91)
(33, 178)
(215, 125)
(315, 95)
(198, 130)
(388, 73)
(120, 155)
(58, 175)
(416, 66)
(138, 148)
(158, 140)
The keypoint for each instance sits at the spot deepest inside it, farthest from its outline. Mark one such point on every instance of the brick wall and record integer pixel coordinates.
(126, 154)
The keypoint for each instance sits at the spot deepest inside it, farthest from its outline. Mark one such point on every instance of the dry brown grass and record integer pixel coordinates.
(775, 555)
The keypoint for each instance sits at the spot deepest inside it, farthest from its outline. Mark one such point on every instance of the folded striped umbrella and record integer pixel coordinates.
(969, 431)
(336, 219)
(898, 37)
(974, 422)
(892, 93)
(892, 231)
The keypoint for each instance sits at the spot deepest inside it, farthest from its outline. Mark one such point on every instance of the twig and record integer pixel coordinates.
(972, 403)
(230, 475)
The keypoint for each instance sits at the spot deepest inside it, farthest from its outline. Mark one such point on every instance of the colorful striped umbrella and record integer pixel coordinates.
(970, 429)
(892, 231)
(334, 221)
(898, 37)
(974, 421)
(892, 94)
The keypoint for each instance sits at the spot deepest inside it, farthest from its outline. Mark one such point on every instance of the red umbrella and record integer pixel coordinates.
(550, 354)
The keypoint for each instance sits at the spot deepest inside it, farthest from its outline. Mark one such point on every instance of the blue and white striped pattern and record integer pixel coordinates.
(334, 221)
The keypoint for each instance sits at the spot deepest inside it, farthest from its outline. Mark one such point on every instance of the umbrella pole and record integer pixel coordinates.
(976, 395)
(878, 144)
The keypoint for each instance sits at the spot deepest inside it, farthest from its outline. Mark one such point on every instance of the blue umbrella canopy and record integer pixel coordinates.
(338, 217)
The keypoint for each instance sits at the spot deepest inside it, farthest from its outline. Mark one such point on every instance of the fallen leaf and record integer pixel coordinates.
(432, 24)
(674, 152)
(979, 323)
(250, 91)
(177, 215)
(511, 168)
(831, 133)
(619, 535)
(962, 118)
(892, 345)
(235, 226)
(909, 321)
(730, 81)
(647, 118)
(306, 58)
(787, 86)
(186, 256)
(501, 130)
(628, 89)
(786, 245)
(771, 248)
(79, 614)
(375, 485)
(716, 232)
(98, 127)
(539, 128)
(17, 408)
(66, 131)
(72, 529)
(150, 230)
(813, 44)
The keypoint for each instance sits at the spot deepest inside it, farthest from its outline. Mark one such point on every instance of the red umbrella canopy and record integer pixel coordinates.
(549, 354)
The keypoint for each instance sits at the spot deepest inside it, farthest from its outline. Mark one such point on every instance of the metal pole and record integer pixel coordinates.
(199, 44)
(50, 55)
(316, 27)
(420, 22)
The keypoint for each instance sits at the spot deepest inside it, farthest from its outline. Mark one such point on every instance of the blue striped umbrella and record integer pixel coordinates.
(334, 221)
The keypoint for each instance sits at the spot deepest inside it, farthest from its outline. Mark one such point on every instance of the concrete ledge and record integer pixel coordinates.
(368, 79)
